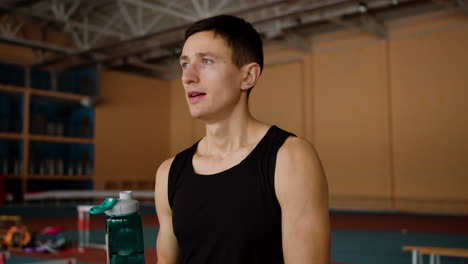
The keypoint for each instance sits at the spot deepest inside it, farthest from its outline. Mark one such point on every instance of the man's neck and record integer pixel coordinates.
(230, 130)
(228, 135)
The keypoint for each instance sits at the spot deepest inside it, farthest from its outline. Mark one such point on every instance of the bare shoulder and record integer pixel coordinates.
(162, 176)
(164, 167)
(298, 169)
(296, 149)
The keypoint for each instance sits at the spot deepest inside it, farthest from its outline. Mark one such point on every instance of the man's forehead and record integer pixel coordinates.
(206, 42)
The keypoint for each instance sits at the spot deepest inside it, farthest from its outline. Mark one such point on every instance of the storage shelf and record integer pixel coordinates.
(4, 135)
(36, 108)
(59, 177)
(56, 139)
(11, 88)
(56, 94)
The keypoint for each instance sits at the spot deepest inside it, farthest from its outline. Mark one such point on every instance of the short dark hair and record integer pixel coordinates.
(243, 39)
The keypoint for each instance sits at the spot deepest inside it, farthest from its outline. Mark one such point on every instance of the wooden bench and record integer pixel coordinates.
(434, 253)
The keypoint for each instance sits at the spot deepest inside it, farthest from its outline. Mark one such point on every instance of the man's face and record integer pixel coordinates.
(211, 80)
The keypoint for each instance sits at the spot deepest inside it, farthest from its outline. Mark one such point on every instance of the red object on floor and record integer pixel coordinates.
(51, 230)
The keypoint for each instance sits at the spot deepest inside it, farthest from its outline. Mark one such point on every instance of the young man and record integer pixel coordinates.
(247, 192)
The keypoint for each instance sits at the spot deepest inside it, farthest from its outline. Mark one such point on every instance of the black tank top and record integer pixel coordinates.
(232, 216)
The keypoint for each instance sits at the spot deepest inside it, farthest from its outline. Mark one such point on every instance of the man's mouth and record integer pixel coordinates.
(195, 94)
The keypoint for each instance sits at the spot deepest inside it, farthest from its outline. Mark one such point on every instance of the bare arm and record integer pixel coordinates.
(166, 244)
(302, 191)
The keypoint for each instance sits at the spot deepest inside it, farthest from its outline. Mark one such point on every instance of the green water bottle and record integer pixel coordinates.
(124, 235)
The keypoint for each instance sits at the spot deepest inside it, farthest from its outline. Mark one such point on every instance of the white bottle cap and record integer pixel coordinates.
(126, 205)
(126, 195)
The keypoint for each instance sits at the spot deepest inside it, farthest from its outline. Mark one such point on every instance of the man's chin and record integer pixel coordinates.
(202, 117)
(197, 115)
(206, 116)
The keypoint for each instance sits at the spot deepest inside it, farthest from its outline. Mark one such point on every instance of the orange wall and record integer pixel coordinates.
(132, 128)
(430, 94)
(388, 117)
(351, 119)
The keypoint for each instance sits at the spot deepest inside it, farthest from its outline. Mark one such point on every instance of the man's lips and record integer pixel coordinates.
(195, 96)
(192, 94)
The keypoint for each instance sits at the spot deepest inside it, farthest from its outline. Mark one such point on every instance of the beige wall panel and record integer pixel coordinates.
(351, 111)
(430, 95)
(278, 97)
(132, 128)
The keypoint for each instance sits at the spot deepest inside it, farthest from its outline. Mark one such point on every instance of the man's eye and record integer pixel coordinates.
(206, 61)
(184, 65)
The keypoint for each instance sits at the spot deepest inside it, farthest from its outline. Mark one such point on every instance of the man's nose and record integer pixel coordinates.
(190, 75)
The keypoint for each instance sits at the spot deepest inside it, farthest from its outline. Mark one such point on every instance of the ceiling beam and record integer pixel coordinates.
(459, 6)
(90, 5)
(153, 47)
(159, 68)
(366, 23)
(36, 44)
(198, 8)
(216, 9)
(369, 23)
(163, 9)
(61, 21)
(127, 17)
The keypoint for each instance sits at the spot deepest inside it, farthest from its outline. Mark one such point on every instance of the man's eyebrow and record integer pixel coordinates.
(203, 54)
(198, 54)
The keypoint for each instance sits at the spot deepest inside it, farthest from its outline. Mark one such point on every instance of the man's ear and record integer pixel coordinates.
(251, 73)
